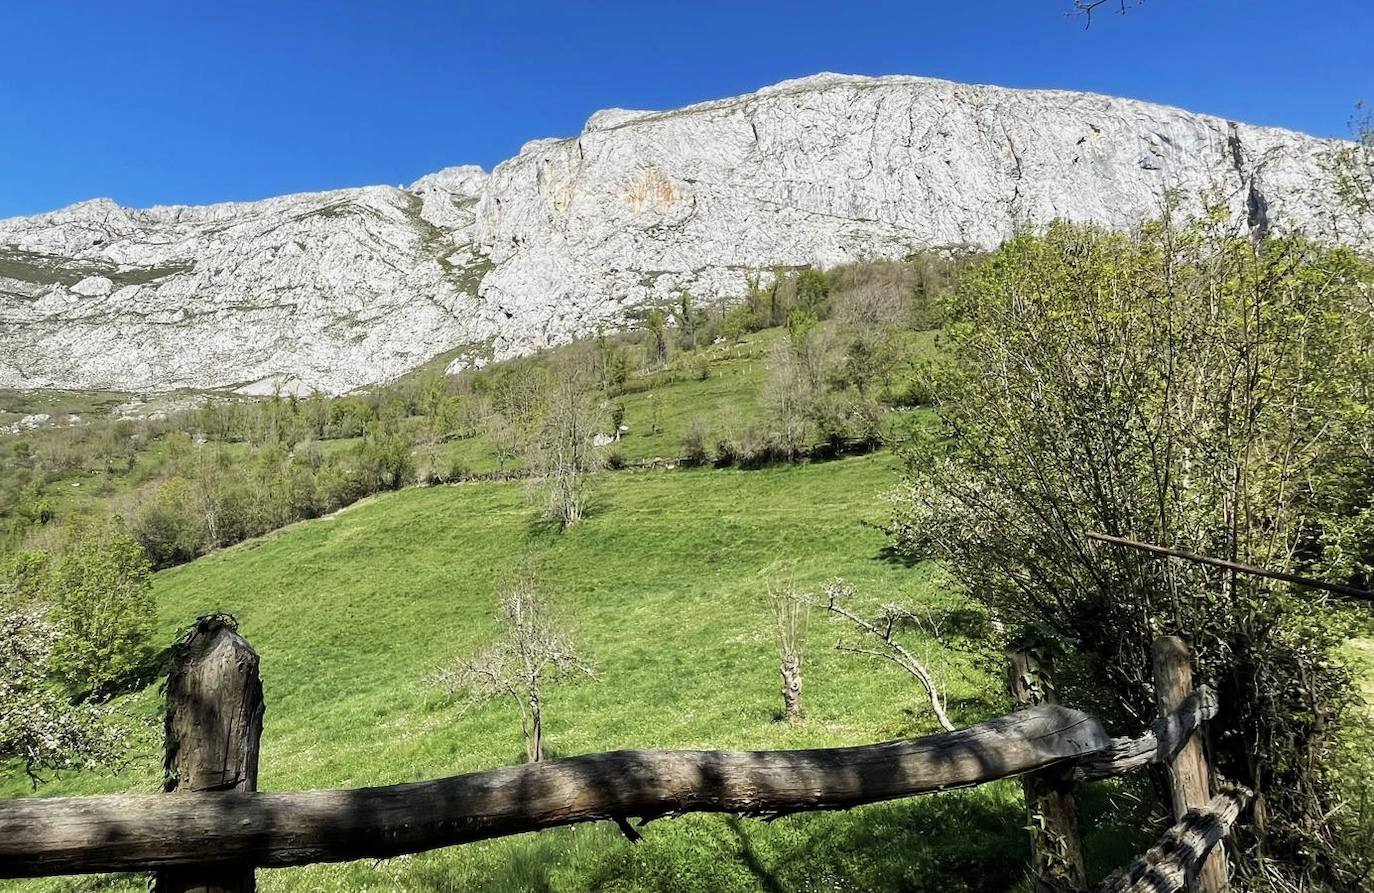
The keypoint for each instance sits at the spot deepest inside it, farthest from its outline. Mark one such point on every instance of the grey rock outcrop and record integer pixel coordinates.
(336, 290)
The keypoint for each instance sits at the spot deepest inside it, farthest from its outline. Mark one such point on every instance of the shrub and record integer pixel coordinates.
(337, 486)
(696, 442)
(1159, 387)
(102, 605)
(168, 527)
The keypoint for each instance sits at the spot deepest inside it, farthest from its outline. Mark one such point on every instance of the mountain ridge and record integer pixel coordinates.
(339, 289)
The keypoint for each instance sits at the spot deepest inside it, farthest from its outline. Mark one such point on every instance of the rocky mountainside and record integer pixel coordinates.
(336, 290)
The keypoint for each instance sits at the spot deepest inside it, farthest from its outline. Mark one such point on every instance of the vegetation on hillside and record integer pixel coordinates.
(1181, 385)
(806, 362)
(1191, 387)
(352, 615)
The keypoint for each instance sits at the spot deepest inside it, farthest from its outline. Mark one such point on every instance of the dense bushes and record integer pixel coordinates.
(1188, 387)
(101, 598)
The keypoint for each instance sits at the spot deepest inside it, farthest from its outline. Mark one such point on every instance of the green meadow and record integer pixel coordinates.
(664, 585)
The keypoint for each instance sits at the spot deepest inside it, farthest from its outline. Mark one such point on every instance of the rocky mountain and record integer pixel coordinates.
(336, 290)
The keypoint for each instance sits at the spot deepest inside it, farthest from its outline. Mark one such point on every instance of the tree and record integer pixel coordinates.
(1351, 168)
(1086, 8)
(657, 326)
(1189, 387)
(505, 442)
(791, 614)
(530, 652)
(562, 452)
(40, 727)
(169, 527)
(812, 292)
(384, 458)
(102, 606)
(881, 634)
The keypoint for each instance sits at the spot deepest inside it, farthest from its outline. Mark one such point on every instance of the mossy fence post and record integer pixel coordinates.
(1190, 779)
(1051, 807)
(213, 728)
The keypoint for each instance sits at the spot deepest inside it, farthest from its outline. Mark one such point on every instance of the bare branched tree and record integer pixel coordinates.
(563, 451)
(530, 652)
(881, 633)
(1086, 8)
(791, 613)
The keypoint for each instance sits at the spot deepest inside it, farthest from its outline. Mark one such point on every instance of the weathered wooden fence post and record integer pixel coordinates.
(214, 723)
(1190, 781)
(1052, 811)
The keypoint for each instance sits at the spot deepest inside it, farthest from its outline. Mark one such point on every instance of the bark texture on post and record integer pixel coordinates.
(1190, 782)
(1051, 809)
(213, 727)
(1172, 864)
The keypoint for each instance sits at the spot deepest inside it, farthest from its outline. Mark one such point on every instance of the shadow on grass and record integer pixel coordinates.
(153, 667)
(890, 554)
(958, 841)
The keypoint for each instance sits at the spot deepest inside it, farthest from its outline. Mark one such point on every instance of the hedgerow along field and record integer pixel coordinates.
(664, 585)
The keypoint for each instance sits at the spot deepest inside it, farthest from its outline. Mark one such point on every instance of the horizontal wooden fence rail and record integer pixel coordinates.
(214, 829)
(69, 835)
(1165, 738)
(1178, 859)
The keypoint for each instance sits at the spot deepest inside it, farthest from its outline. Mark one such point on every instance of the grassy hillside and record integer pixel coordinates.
(663, 583)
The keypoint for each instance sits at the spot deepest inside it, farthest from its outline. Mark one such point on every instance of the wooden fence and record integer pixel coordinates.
(212, 829)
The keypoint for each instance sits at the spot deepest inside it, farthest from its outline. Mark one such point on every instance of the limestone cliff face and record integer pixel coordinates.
(336, 290)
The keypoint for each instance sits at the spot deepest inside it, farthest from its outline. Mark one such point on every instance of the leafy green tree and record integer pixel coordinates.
(40, 727)
(169, 527)
(385, 460)
(102, 605)
(1351, 167)
(813, 289)
(1188, 387)
(656, 324)
(691, 320)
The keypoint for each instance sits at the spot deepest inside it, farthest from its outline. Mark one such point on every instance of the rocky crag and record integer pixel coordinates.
(333, 291)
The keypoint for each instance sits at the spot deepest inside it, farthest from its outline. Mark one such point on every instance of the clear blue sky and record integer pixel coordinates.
(171, 102)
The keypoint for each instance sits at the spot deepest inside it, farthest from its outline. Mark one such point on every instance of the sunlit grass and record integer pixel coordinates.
(663, 583)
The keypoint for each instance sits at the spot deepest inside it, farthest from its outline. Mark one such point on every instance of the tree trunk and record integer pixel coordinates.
(536, 749)
(791, 686)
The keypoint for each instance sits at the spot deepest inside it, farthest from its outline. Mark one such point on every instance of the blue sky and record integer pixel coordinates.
(171, 102)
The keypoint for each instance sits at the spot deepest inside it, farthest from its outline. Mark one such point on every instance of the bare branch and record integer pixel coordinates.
(836, 592)
(530, 651)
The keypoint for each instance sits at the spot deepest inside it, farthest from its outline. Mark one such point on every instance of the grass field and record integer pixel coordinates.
(663, 584)
(662, 404)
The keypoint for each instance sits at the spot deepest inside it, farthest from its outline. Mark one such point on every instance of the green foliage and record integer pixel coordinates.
(195, 479)
(1351, 167)
(1186, 387)
(169, 528)
(656, 324)
(101, 597)
(40, 728)
(696, 449)
(812, 289)
(384, 459)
